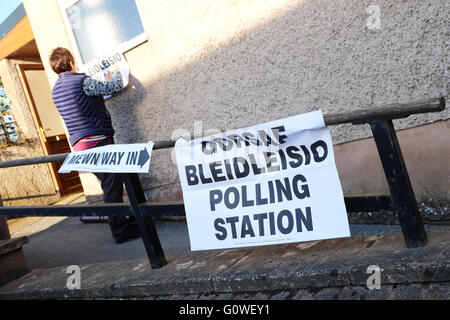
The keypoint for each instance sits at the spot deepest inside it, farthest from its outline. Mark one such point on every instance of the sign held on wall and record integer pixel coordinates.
(120, 158)
(267, 184)
(99, 68)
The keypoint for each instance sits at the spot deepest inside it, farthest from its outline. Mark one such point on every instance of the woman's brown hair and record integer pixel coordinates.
(60, 59)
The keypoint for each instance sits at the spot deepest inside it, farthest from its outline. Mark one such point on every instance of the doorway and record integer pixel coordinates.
(49, 124)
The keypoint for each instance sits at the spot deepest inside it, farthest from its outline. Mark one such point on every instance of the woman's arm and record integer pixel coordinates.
(93, 87)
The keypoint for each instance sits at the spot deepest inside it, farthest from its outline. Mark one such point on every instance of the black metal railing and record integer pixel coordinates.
(401, 198)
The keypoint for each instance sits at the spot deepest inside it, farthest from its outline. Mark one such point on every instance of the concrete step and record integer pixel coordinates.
(12, 261)
(304, 267)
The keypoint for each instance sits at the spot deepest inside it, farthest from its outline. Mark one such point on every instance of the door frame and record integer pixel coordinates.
(38, 124)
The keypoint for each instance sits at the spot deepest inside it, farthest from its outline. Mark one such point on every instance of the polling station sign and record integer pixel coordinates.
(267, 184)
(120, 158)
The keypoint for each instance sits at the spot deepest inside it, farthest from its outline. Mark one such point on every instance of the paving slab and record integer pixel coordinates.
(310, 265)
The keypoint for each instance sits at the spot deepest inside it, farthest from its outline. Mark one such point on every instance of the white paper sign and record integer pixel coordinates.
(99, 68)
(267, 184)
(110, 158)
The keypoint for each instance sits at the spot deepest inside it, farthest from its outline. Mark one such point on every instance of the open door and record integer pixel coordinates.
(49, 124)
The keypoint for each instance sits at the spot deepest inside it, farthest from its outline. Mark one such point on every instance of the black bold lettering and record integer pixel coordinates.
(283, 189)
(259, 199)
(270, 160)
(202, 176)
(271, 192)
(260, 217)
(238, 140)
(250, 138)
(245, 201)
(245, 169)
(307, 221)
(272, 223)
(319, 144)
(191, 175)
(208, 147)
(256, 170)
(72, 160)
(95, 158)
(222, 235)
(228, 203)
(276, 132)
(86, 158)
(113, 158)
(228, 169)
(215, 197)
(267, 140)
(307, 155)
(105, 157)
(120, 157)
(292, 153)
(133, 157)
(246, 228)
(215, 171)
(224, 143)
(283, 159)
(232, 221)
(305, 189)
(290, 226)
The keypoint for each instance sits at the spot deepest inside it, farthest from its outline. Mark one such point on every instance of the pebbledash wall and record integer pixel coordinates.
(30, 185)
(230, 64)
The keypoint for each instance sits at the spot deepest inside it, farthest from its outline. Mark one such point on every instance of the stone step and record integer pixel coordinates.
(297, 271)
(12, 260)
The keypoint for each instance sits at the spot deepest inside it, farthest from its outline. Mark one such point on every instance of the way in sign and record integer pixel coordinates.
(110, 158)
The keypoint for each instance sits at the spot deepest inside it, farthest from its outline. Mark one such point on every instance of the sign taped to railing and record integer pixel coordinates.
(267, 184)
(120, 158)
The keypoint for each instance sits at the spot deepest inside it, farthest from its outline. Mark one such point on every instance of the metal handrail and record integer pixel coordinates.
(393, 111)
(401, 198)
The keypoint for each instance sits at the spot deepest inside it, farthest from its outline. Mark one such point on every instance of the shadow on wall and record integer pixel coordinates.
(124, 108)
(319, 55)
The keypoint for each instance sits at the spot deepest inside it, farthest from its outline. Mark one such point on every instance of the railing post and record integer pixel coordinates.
(402, 193)
(4, 230)
(146, 226)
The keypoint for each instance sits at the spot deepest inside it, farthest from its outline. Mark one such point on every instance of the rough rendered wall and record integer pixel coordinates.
(15, 93)
(231, 64)
(28, 185)
(49, 33)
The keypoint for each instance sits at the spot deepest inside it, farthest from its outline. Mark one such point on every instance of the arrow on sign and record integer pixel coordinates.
(143, 157)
